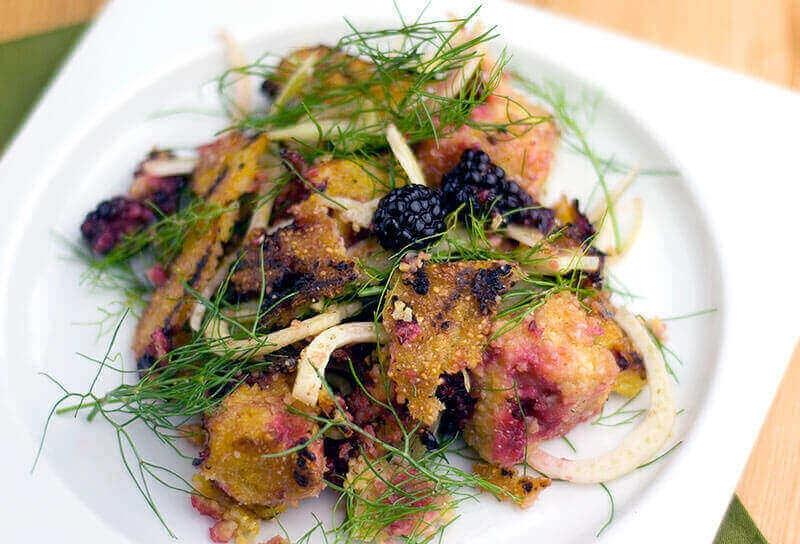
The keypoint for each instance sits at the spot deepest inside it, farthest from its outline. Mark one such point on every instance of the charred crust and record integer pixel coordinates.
(306, 454)
(300, 477)
(627, 360)
(523, 490)
(217, 181)
(419, 281)
(622, 362)
(170, 305)
(201, 457)
(450, 334)
(488, 285)
(293, 267)
(198, 268)
(144, 362)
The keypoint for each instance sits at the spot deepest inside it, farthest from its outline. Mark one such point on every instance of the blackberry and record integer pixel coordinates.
(409, 217)
(428, 439)
(477, 183)
(338, 454)
(104, 227)
(459, 405)
(163, 192)
(580, 229)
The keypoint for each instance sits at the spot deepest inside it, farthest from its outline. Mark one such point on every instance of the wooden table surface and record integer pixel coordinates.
(759, 37)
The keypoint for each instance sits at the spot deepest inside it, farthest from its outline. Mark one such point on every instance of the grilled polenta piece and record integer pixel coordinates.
(299, 264)
(632, 377)
(401, 503)
(227, 167)
(540, 379)
(630, 382)
(332, 68)
(523, 489)
(343, 92)
(438, 319)
(170, 306)
(525, 149)
(241, 522)
(356, 179)
(225, 172)
(251, 424)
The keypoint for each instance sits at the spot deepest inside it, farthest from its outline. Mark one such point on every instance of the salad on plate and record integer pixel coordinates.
(362, 287)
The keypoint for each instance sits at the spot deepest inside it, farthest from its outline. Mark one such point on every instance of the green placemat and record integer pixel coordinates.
(738, 527)
(25, 68)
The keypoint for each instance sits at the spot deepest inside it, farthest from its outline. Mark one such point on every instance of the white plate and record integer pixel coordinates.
(717, 236)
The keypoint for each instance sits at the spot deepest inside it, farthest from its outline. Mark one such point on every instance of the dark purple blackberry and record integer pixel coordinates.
(163, 192)
(458, 404)
(580, 229)
(166, 193)
(409, 217)
(337, 457)
(477, 183)
(104, 227)
(428, 439)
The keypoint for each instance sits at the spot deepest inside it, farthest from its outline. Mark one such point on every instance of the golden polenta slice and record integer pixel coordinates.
(225, 172)
(250, 427)
(438, 318)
